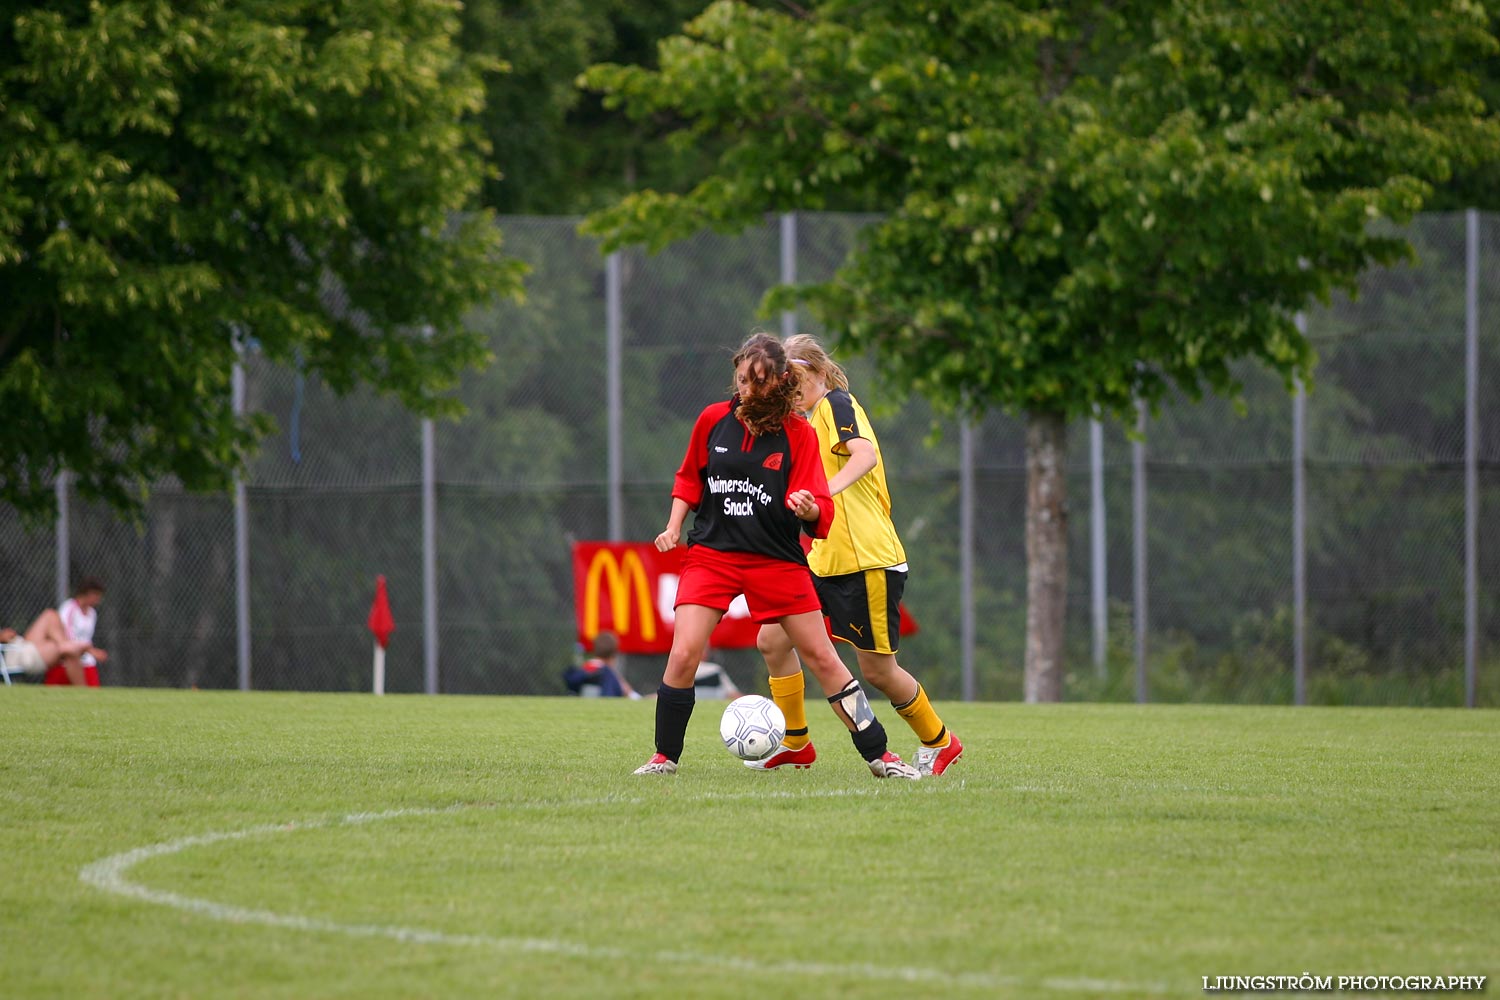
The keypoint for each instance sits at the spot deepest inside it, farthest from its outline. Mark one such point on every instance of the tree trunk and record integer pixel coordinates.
(1046, 554)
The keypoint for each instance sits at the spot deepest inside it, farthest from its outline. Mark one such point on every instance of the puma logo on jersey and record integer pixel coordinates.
(849, 429)
(857, 630)
(773, 461)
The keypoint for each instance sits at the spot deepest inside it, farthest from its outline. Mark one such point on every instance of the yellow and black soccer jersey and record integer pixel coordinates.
(862, 536)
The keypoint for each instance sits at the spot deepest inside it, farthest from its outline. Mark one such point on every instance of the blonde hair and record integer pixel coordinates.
(804, 349)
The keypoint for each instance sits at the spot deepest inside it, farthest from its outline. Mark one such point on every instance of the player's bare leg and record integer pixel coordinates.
(675, 698)
(787, 688)
(810, 641)
(777, 649)
(50, 637)
(887, 676)
(843, 692)
(939, 746)
(690, 631)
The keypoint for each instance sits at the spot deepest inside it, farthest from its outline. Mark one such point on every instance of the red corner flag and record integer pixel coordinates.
(381, 623)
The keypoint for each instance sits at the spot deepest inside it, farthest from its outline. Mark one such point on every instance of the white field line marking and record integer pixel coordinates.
(110, 875)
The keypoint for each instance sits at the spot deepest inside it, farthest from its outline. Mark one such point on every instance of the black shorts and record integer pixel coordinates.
(864, 609)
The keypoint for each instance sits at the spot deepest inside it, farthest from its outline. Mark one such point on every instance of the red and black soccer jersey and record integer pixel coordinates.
(738, 484)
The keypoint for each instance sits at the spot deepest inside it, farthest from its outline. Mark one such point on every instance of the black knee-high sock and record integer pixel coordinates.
(870, 741)
(674, 707)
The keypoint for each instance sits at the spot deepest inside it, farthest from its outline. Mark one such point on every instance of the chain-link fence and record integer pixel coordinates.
(1321, 551)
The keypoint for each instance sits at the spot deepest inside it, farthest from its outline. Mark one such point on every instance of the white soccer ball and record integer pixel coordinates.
(752, 727)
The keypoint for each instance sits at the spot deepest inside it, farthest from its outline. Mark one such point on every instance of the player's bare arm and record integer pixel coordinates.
(862, 459)
(672, 534)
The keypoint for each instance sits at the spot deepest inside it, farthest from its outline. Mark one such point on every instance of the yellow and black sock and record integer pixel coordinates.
(923, 719)
(787, 693)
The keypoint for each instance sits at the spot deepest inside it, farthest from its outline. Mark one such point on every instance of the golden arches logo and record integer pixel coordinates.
(618, 575)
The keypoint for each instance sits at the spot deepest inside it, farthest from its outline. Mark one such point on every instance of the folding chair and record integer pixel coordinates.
(10, 660)
(8, 666)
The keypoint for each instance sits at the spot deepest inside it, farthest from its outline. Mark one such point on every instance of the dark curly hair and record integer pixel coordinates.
(764, 410)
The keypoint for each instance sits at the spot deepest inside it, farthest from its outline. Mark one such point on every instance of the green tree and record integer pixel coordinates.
(1088, 206)
(174, 174)
(1477, 184)
(544, 45)
(557, 150)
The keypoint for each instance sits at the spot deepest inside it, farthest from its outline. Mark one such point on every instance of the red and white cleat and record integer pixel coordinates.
(658, 764)
(932, 761)
(891, 766)
(786, 757)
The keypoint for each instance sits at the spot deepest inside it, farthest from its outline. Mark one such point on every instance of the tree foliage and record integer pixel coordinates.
(177, 175)
(1087, 205)
(1476, 184)
(544, 44)
(556, 149)
(524, 469)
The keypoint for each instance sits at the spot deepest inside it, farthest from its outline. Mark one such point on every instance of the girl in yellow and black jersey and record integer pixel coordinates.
(859, 571)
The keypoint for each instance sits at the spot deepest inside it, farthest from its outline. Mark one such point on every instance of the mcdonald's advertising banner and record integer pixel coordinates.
(630, 589)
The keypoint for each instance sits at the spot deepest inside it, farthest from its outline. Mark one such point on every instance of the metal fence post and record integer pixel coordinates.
(614, 407)
(1099, 594)
(1138, 517)
(241, 535)
(613, 326)
(1471, 461)
(966, 556)
(62, 554)
(429, 559)
(788, 267)
(1299, 534)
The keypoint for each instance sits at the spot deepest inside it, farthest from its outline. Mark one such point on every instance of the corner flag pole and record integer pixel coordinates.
(381, 626)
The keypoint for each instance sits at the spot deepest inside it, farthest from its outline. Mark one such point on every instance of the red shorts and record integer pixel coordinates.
(59, 676)
(773, 588)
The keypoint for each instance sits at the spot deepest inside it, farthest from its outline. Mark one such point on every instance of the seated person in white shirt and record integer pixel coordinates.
(80, 615)
(45, 646)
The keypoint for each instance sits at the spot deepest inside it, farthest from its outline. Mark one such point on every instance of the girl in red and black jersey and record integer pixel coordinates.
(753, 476)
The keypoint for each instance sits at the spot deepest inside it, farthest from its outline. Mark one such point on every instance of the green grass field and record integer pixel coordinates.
(214, 844)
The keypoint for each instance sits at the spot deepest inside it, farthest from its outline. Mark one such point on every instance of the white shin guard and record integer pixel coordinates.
(853, 707)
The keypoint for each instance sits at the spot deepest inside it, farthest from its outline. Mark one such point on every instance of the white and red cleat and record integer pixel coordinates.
(891, 766)
(932, 761)
(658, 764)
